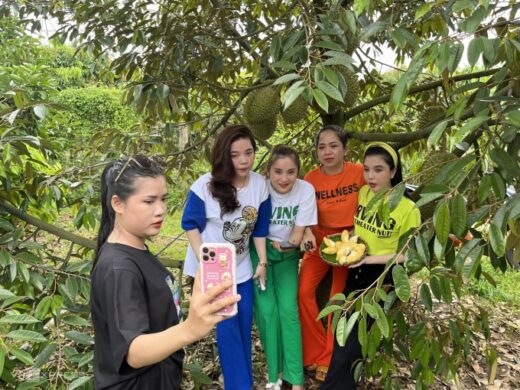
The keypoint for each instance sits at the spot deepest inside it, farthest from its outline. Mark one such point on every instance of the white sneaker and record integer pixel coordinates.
(274, 386)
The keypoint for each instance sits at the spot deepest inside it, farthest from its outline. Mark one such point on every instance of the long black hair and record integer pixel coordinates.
(385, 155)
(118, 179)
(222, 170)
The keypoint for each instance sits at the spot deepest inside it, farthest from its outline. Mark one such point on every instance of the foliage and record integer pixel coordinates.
(187, 68)
(92, 108)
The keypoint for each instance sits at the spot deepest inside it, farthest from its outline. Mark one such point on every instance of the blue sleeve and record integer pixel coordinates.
(194, 216)
(262, 223)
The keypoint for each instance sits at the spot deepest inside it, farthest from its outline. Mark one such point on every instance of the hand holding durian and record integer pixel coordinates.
(348, 251)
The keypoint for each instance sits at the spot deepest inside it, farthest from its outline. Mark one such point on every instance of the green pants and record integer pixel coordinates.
(276, 315)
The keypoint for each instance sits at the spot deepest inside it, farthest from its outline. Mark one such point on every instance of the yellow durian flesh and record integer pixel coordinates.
(330, 250)
(344, 236)
(328, 242)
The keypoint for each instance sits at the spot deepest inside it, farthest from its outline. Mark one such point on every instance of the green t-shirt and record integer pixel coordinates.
(383, 239)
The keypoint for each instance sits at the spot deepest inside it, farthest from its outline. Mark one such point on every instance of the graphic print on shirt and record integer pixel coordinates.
(373, 223)
(284, 215)
(336, 195)
(238, 231)
(174, 288)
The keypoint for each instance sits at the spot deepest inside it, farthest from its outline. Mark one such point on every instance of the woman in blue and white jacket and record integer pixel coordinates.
(231, 205)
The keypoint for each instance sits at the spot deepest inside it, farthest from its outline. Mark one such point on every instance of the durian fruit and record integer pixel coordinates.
(429, 115)
(262, 105)
(263, 130)
(431, 167)
(296, 111)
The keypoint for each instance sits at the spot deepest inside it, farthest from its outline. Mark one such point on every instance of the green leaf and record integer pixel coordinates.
(489, 49)
(360, 6)
(374, 202)
(2, 361)
(82, 380)
(283, 65)
(21, 355)
(471, 125)
(331, 76)
(505, 163)
(497, 240)
(426, 297)
(399, 93)
(41, 111)
(75, 320)
(44, 356)
(401, 282)
(471, 23)
(456, 51)
(441, 221)
(474, 50)
(18, 319)
(423, 10)
(198, 375)
(514, 117)
(321, 99)
(461, 5)
(382, 321)
(437, 133)
(341, 328)
(43, 308)
(427, 198)
(459, 215)
(371, 310)
(86, 358)
(163, 91)
(329, 45)
(26, 335)
(372, 29)
(4, 294)
(422, 249)
(329, 90)
(350, 324)
(363, 335)
(446, 290)
(286, 78)
(399, 37)
(396, 195)
(328, 310)
(291, 95)
(79, 337)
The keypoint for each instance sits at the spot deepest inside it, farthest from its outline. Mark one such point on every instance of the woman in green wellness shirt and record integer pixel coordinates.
(382, 170)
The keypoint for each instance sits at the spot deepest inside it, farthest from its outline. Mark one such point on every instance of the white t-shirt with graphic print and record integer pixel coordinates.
(202, 211)
(297, 207)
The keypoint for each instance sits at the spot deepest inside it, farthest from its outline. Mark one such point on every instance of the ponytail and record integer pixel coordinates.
(118, 179)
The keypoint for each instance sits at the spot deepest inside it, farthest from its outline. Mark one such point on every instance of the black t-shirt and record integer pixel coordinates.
(131, 295)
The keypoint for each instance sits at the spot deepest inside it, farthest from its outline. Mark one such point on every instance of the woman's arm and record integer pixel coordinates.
(152, 348)
(378, 259)
(261, 268)
(195, 240)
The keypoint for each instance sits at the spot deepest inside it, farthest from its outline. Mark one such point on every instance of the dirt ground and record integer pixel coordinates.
(475, 374)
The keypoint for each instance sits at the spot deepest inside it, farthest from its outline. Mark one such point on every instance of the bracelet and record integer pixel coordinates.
(262, 264)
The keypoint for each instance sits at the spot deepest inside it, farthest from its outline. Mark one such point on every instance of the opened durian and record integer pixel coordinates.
(348, 251)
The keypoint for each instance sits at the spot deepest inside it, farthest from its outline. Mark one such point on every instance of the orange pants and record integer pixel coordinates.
(316, 342)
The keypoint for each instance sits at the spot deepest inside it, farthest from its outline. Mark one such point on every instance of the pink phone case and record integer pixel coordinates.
(218, 263)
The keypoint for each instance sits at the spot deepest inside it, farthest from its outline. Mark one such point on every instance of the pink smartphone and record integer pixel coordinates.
(218, 263)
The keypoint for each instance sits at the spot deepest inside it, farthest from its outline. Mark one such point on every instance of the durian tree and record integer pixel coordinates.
(447, 94)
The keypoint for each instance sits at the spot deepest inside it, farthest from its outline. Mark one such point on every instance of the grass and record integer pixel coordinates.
(506, 291)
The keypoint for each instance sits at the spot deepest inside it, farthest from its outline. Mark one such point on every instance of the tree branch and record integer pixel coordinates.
(74, 238)
(420, 88)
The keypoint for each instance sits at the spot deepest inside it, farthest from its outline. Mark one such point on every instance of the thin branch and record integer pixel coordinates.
(419, 88)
